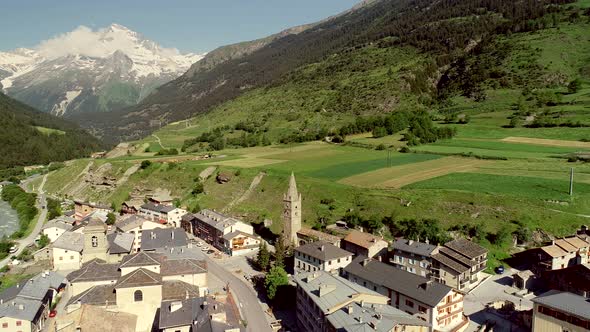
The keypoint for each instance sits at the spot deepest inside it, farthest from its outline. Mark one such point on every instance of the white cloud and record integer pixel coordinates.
(100, 43)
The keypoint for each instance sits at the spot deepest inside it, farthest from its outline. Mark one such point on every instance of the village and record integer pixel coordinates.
(157, 267)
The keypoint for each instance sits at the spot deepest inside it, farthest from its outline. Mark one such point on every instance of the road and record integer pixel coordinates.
(42, 206)
(245, 296)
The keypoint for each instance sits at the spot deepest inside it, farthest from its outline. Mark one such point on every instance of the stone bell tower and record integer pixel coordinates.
(291, 213)
(95, 241)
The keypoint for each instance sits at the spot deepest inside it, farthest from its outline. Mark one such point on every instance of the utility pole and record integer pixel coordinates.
(572, 181)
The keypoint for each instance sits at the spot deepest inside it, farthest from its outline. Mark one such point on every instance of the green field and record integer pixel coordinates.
(49, 131)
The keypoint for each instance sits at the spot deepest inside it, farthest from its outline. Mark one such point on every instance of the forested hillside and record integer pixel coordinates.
(31, 137)
(443, 31)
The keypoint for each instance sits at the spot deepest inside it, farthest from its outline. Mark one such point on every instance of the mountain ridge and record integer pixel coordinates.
(72, 72)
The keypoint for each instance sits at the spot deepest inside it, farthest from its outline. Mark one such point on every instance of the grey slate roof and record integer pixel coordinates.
(183, 316)
(70, 241)
(139, 278)
(466, 248)
(120, 243)
(19, 308)
(61, 223)
(172, 267)
(409, 284)
(334, 290)
(384, 318)
(566, 302)
(415, 247)
(130, 223)
(323, 251)
(215, 219)
(37, 286)
(141, 259)
(162, 238)
(231, 235)
(95, 270)
(158, 207)
(450, 263)
(96, 295)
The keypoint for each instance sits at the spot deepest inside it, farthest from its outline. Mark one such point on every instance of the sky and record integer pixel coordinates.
(189, 25)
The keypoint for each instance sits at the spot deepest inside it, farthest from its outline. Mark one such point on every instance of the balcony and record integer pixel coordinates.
(446, 315)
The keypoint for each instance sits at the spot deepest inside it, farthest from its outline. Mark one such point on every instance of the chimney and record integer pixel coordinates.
(176, 305)
(362, 303)
(21, 307)
(427, 241)
(172, 234)
(186, 295)
(350, 310)
(365, 261)
(322, 248)
(410, 241)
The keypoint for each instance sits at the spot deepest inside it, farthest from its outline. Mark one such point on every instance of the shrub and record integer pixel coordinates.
(381, 147)
(145, 164)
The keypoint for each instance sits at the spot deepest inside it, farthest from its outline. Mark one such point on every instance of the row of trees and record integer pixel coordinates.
(23, 203)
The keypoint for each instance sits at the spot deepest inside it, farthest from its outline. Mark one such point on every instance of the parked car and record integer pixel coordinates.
(199, 244)
(500, 269)
(210, 251)
(53, 313)
(13, 249)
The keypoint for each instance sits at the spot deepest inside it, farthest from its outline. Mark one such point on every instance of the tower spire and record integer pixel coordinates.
(292, 193)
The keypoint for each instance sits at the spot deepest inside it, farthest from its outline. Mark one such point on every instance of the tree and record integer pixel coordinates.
(111, 218)
(379, 132)
(145, 164)
(263, 258)
(43, 241)
(280, 251)
(574, 86)
(198, 189)
(276, 278)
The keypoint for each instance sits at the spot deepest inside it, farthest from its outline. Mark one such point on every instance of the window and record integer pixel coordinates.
(411, 261)
(423, 265)
(61, 258)
(422, 309)
(19, 323)
(4, 325)
(71, 257)
(409, 303)
(94, 241)
(338, 260)
(138, 296)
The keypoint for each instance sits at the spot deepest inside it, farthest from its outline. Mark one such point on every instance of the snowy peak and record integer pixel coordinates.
(90, 70)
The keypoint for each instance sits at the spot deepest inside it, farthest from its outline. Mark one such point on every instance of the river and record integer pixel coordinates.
(8, 219)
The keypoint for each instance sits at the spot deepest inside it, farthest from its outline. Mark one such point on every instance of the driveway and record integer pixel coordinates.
(23, 243)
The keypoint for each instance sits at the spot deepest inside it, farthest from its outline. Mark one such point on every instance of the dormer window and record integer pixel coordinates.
(94, 241)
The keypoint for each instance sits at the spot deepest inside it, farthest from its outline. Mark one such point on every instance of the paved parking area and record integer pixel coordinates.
(492, 290)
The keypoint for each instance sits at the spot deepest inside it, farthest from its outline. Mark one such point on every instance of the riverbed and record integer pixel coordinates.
(8, 219)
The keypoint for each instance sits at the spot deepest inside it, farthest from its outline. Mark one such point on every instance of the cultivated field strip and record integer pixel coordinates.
(549, 142)
(399, 176)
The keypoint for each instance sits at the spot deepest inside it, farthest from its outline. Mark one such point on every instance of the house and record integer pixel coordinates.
(163, 238)
(557, 311)
(574, 279)
(459, 263)
(238, 243)
(77, 246)
(320, 256)
(67, 251)
(365, 244)
(164, 214)
(308, 235)
(326, 302)
(162, 198)
(136, 225)
(188, 222)
(25, 306)
(559, 254)
(87, 317)
(207, 314)
(56, 227)
(138, 285)
(413, 256)
(439, 305)
(83, 209)
(212, 226)
(131, 206)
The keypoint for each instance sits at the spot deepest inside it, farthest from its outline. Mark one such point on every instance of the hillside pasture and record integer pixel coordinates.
(548, 142)
(399, 176)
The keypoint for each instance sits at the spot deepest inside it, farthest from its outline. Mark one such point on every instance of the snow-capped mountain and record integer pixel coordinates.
(85, 70)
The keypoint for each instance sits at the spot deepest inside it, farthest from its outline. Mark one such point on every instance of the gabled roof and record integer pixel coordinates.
(565, 302)
(61, 223)
(411, 285)
(554, 251)
(70, 241)
(457, 257)
(577, 242)
(96, 295)
(96, 223)
(312, 233)
(322, 250)
(414, 247)
(163, 238)
(141, 259)
(233, 234)
(139, 278)
(450, 263)
(215, 219)
(20, 308)
(178, 290)
(466, 248)
(158, 207)
(130, 223)
(89, 317)
(362, 239)
(95, 270)
(179, 313)
(120, 243)
(563, 244)
(172, 267)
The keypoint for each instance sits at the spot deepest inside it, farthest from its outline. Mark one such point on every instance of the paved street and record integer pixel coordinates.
(42, 206)
(493, 289)
(246, 298)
